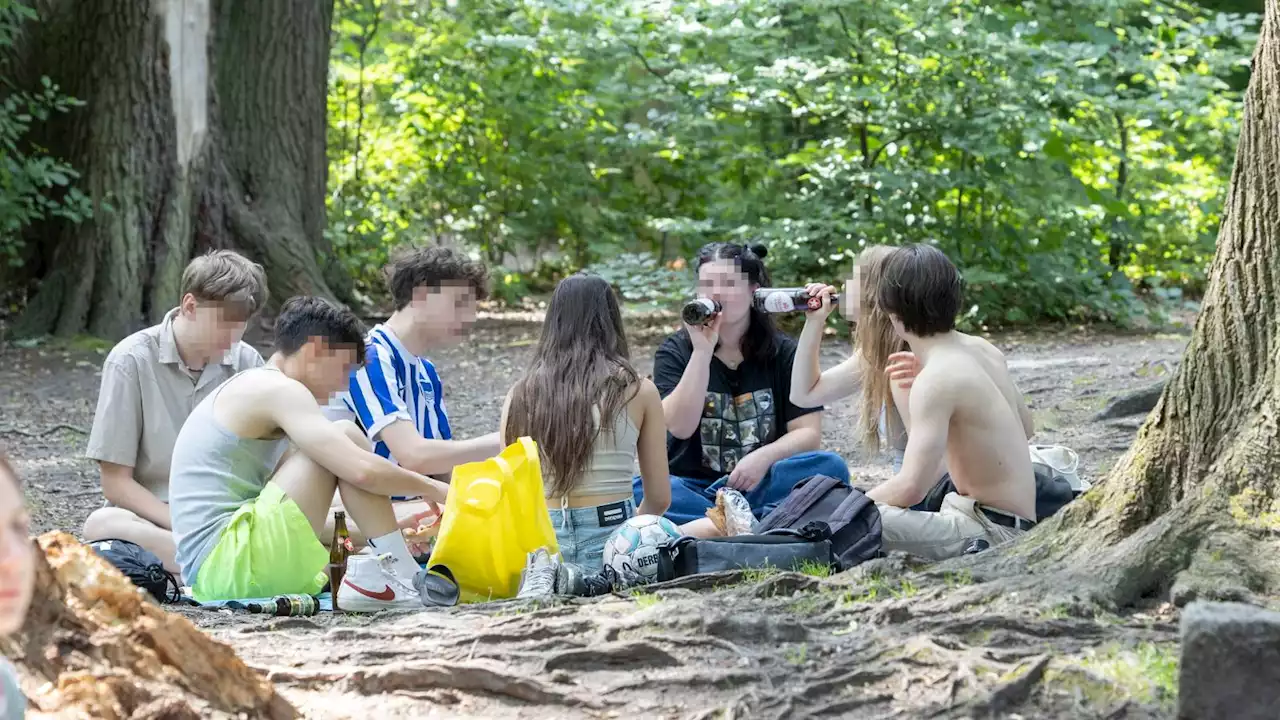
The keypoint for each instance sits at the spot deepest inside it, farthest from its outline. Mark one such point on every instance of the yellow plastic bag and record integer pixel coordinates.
(495, 515)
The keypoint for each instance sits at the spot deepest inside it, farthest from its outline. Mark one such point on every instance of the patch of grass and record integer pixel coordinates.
(798, 655)
(644, 599)
(958, 579)
(815, 569)
(878, 588)
(1057, 612)
(1147, 673)
(756, 575)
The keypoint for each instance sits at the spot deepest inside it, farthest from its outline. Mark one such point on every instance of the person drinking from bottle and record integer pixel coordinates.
(880, 369)
(726, 389)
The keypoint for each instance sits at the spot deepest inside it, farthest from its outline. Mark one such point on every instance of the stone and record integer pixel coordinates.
(1136, 402)
(1230, 665)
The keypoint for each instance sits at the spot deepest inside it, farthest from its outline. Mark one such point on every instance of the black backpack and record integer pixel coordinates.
(853, 518)
(141, 566)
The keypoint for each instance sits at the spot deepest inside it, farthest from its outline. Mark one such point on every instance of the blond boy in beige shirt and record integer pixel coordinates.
(152, 380)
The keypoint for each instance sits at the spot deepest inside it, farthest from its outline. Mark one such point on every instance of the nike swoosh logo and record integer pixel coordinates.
(386, 594)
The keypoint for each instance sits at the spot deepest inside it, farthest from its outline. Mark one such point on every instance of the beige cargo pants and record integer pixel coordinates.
(943, 534)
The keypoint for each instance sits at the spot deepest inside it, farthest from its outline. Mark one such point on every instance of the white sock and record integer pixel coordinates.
(393, 542)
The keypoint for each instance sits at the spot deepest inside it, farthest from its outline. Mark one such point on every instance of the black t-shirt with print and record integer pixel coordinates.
(744, 408)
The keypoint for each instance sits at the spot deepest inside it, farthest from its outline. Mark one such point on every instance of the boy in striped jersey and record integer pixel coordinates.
(396, 397)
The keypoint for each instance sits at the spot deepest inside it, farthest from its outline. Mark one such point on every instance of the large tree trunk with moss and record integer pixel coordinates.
(203, 126)
(1191, 509)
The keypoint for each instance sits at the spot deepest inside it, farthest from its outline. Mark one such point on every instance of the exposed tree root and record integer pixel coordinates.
(625, 655)
(415, 676)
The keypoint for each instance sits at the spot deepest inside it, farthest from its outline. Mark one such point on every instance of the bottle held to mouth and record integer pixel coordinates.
(787, 300)
(699, 311)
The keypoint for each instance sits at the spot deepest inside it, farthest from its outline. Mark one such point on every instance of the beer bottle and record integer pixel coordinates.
(339, 548)
(785, 300)
(699, 311)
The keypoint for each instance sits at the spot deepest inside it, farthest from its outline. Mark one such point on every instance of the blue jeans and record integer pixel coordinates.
(581, 535)
(692, 497)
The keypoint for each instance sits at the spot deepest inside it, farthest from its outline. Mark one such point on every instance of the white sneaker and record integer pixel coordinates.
(539, 576)
(371, 584)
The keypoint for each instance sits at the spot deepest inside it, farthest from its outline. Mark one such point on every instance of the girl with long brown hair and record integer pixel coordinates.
(592, 416)
(880, 368)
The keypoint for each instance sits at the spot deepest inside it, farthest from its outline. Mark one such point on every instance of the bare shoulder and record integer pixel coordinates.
(648, 391)
(985, 347)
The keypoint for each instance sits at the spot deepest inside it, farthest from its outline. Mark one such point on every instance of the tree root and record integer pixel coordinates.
(1015, 691)
(416, 676)
(614, 656)
(719, 679)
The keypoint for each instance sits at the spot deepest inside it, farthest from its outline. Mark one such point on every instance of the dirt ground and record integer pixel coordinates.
(874, 642)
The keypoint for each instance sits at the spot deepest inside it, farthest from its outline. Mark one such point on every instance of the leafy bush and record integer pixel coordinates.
(33, 185)
(639, 278)
(1077, 154)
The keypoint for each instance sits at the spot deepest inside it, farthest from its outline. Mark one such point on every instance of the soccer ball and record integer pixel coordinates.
(631, 553)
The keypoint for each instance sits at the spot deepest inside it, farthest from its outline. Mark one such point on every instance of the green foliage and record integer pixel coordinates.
(33, 185)
(640, 278)
(1070, 157)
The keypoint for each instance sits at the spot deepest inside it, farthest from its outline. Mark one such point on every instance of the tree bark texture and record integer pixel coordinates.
(203, 127)
(1186, 508)
(95, 646)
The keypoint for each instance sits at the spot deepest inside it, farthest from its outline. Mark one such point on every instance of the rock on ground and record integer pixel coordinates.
(1230, 662)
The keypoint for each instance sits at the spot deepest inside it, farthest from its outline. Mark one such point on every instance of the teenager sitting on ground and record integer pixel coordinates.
(150, 382)
(17, 579)
(965, 414)
(880, 368)
(592, 416)
(726, 391)
(396, 397)
(248, 520)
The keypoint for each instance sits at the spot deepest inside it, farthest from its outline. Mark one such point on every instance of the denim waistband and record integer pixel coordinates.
(596, 516)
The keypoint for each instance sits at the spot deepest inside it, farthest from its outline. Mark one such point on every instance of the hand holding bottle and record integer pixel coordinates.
(827, 294)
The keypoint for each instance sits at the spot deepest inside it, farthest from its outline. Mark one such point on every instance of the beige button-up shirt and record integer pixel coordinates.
(147, 393)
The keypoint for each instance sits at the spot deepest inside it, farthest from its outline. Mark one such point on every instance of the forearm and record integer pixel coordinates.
(130, 495)
(682, 409)
(439, 457)
(897, 492)
(806, 370)
(387, 478)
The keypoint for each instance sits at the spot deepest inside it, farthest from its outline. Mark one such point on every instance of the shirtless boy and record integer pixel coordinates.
(247, 518)
(966, 416)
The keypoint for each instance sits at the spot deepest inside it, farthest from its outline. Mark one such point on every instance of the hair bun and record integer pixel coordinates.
(758, 250)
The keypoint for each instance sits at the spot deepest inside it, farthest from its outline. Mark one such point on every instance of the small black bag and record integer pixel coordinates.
(782, 549)
(852, 518)
(141, 566)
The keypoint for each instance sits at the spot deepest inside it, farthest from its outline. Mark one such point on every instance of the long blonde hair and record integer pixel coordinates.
(874, 341)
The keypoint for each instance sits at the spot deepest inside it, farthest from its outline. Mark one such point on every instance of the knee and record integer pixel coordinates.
(354, 432)
(105, 523)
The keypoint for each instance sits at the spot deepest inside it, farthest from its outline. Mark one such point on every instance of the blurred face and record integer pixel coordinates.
(328, 368)
(724, 282)
(445, 313)
(851, 297)
(215, 328)
(17, 571)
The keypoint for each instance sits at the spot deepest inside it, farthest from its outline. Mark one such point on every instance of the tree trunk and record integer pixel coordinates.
(1193, 508)
(203, 127)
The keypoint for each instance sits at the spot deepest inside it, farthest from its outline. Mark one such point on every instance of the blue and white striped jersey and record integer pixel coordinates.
(394, 384)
